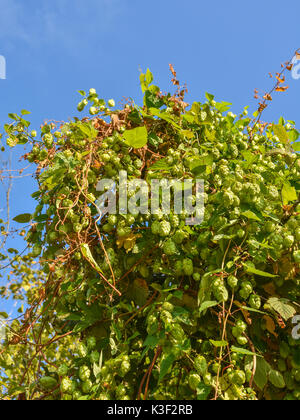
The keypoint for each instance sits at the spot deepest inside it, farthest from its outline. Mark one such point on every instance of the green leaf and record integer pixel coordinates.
(203, 392)
(137, 137)
(211, 135)
(289, 193)
(22, 140)
(251, 269)
(151, 341)
(52, 177)
(209, 97)
(146, 80)
(88, 130)
(223, 106)
(198, 164)
(166, 365)
(244, 351)
(154, 140)
(293, 135)
(207, 305)
(149, 77)
(250, 215)
(96, 369)
(13, 116)
(152, 100)
(160, 165)
(263, 370)
(135, 116)
(221, 237)
(249, 157)
(23, 218)
(296, 146)
(219, 343)
(164, 116)
(3, 315)
(17, 390)
(189, 117)
(277, 379)
(283, 307)
(246, 308)
(182, 315)
(25, 112)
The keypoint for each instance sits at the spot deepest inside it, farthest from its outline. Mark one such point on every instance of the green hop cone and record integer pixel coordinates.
(125, 368)
(165, 228)
(155, 227)
(87, 386)
(111, 103)
(188, 266)
(197, 277)
(84, 373)
(91, 343)
(47, 382)
(37, 250)
(241, 326)
(194, 380)
(95, 357)
(169, 248)
(63, 370)
(239, 378)
(232, 282)
(255, 302)
(178, 268)
(200, 364)
(242, 341)
(66, 386)
(179, 237)
(82, 350)
(296, 256)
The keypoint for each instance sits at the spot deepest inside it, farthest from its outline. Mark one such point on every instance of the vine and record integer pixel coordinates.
(144, 306)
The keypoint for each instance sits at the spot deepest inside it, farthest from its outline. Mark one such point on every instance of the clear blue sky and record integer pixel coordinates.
(54, 48)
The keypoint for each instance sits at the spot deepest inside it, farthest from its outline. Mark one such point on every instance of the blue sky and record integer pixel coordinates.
(54, 48)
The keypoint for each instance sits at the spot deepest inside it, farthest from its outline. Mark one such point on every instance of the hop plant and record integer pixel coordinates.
(134, 306)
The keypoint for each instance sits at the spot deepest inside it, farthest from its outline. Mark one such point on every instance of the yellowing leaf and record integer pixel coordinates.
(270, 289)
(289, 193)
(211, 135)
(86, 252)
(219, 343)
(281, 133)
(281, 89)
(283, 307)
(128, 241)
(244, 311)
(188, 134)
(270, 324)
(139, 291)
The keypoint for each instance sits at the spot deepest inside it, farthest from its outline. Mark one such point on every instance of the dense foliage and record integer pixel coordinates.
(144, 306)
